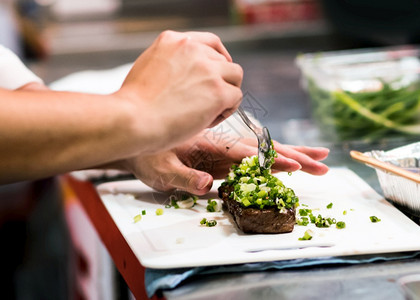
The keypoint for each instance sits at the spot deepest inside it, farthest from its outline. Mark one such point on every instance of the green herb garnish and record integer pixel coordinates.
(374, 219)
(305, 211)
(137, 218)
(306, 236)
(321, 222)
(329, 206)
(340, 225)
(212, 205)
(303, 221)
(257, 187)
(211, 223)
(182, 200)
(159, 211)
(208, 223)
(143, 212)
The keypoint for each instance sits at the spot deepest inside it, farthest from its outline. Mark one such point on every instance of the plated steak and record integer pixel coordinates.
(256, 220)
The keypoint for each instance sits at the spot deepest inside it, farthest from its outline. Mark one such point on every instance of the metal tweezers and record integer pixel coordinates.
(263, 136)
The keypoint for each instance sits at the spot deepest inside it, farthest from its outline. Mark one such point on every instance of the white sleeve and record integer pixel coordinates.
(13, 73)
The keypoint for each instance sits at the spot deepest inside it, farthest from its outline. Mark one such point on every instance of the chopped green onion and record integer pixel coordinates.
(174, 203)
(143, 212)
(159, 212)
(213, 205)
(211, 223)
(182, 200)
(340, 225)
(330, 205)
(306, 236)
(304, 221)
(331, 220)
(374, 219)
(255, 186)
(137, 218)
(345, 212)
(208, 223)
(321, 222)
(305, 211)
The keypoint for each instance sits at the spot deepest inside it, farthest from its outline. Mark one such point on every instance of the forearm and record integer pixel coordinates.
(183, 83)
(44, 133)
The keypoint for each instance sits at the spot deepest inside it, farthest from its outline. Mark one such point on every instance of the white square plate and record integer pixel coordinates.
(176, 238)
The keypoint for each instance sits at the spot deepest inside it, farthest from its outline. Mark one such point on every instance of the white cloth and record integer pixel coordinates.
(13, 73)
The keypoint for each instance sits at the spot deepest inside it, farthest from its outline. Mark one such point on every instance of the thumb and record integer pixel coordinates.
(191, 180)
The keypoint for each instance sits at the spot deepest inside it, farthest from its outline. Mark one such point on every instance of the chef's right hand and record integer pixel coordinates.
(183, 83)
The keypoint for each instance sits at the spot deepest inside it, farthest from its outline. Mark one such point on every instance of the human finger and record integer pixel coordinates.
(317, 153)
(211, 40)
(190, 180)
(289, 159)
(308, 164)
(231, 73)
(232, 97)
(285, 164)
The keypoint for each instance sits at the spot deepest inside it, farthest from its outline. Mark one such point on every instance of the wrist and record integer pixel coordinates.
(140, 123)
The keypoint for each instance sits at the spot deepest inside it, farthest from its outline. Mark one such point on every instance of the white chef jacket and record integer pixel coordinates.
(13, 73)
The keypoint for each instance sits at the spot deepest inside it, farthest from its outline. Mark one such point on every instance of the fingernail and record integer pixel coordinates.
(294, 162)
(203, 182)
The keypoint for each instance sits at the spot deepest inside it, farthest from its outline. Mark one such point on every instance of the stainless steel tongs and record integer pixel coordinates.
(263, 136)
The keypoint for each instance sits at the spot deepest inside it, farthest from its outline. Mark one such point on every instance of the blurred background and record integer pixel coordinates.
(60, 38)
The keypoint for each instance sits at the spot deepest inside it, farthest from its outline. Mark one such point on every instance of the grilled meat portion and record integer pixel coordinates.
(255, 220)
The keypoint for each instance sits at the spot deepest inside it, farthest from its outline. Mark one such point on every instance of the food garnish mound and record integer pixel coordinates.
(258, 201)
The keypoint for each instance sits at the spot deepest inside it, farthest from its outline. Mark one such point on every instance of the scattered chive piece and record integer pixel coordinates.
(306, 236)
(374, 219)
(304, 221)
(174, 202)
(211, 205)
(137, 218)
(159, 212)
(208, 223)
(331, 221)
(340, 225)
(168, 206)
(143, 212)
(305, 211)
(211, 223)
(330, 205)
(345, 212)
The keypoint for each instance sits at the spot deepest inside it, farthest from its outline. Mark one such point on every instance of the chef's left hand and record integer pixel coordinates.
(193, 165)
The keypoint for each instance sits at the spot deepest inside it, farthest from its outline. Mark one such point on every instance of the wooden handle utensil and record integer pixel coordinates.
(384, 166)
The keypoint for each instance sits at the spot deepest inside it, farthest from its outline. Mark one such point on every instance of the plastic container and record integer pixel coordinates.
(364, 94)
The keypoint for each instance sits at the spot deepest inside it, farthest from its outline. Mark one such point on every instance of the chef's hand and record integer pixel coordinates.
(185, 82)
(33, 86)
(307, 157)
(193, 165)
